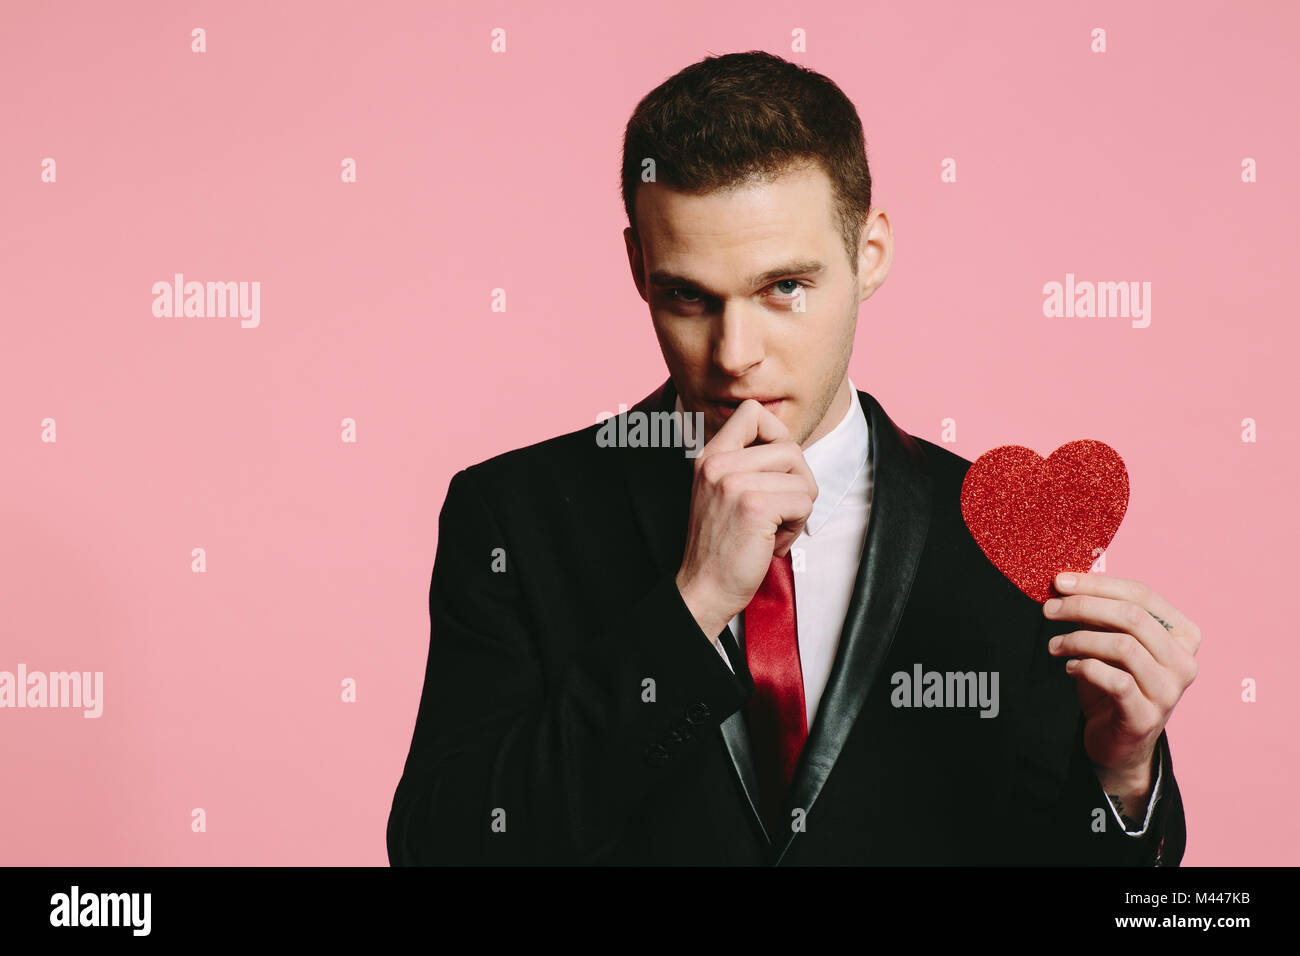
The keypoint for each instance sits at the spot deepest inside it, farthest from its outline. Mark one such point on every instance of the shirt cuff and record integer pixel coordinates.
(717, 644)
(1151, 804)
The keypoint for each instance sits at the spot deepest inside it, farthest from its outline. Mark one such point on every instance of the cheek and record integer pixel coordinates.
(686, 347)
(834, 330)
(812, 334)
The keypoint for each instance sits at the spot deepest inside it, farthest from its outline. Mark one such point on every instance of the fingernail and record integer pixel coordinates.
(1054, 644)
(1066, 580)
(1052, 606)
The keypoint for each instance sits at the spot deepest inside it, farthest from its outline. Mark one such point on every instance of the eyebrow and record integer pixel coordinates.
(811, 267)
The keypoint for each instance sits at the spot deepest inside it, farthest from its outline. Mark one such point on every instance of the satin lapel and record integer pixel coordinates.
(896, 530)
(735, 737)
(660, 480)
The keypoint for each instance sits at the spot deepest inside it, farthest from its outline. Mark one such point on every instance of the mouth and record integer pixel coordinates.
(725, 408)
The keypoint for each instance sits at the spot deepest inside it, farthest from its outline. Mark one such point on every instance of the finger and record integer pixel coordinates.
(1122, 616)
(1121, 649)
(771, 482)
(779, 456)
(1136, 592)
(784, 541)
(1118, 685)
(1138, 716)
(789, 512)
(750, 422)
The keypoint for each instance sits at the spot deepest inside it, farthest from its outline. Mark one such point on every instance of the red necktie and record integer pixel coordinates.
(778, 723)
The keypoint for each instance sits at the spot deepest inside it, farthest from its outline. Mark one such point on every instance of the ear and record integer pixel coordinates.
(635, 261)
(875, 253)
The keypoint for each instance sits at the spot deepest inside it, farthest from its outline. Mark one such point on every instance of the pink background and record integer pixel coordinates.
(479, 170)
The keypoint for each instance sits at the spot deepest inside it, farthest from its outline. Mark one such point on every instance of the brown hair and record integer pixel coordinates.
(740, 116)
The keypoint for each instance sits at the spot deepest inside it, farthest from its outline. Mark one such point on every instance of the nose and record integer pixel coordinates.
(738, 341)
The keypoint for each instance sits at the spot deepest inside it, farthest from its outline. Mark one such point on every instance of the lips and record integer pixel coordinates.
(726, 407)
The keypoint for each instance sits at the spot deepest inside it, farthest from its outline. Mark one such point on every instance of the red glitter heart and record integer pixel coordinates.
(1036, 517)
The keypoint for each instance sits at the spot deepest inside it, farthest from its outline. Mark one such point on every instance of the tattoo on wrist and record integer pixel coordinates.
(1118, 804)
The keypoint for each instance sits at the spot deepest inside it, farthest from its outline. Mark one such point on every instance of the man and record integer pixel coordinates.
(640, 656)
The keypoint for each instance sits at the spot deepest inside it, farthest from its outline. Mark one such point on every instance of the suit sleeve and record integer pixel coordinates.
(1164, 839)
(508, 767)
(1069, 819)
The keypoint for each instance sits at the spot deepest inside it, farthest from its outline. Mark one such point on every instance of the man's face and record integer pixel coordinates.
(724, 273)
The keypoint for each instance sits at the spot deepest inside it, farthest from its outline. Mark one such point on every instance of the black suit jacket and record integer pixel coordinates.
(574, 712)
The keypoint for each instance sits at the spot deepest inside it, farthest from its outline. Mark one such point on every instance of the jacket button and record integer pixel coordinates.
(697, 713)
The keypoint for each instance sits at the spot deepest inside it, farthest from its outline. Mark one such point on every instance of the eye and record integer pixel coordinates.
(675, 295)
(692, 297)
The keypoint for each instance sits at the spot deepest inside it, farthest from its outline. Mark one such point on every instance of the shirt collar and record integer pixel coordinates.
(836, 460)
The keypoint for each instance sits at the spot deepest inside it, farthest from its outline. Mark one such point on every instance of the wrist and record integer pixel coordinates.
(1135, 781)
(709, 619)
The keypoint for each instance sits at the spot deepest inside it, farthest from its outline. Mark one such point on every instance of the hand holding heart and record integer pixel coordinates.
(1131, 670)
(1034, 517)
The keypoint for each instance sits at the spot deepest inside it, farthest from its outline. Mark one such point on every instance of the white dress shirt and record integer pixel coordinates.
(826, 555)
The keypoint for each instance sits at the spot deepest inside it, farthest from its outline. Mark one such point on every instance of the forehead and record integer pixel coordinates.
(793, 210)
